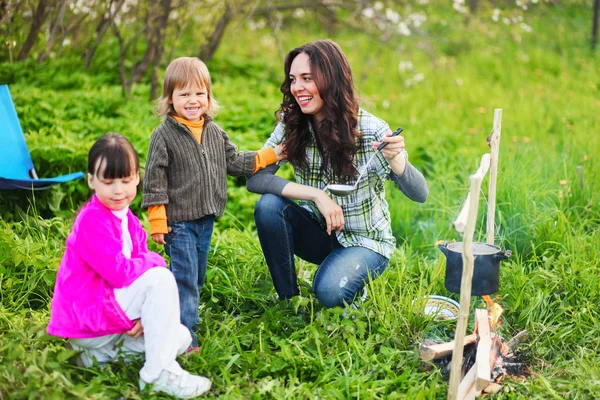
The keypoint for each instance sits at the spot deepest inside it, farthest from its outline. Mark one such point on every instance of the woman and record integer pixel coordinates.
(329, 139)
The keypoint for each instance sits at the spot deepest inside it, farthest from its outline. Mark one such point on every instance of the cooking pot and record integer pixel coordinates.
(486, 271)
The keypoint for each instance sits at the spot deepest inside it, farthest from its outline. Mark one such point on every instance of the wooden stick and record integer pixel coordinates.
(466, 384)
(472, 394)
(495, 145)
(492, 388)
(483, 373)
(467, 275)
(435, 351)
(461, 221)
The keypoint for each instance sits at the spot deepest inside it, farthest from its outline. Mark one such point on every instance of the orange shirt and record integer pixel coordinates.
(157, 215)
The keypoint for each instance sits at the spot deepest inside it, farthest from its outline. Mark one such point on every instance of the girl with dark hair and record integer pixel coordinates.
(328, 140)
(112, 295)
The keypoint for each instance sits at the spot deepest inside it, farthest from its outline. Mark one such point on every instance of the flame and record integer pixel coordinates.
(495, 311)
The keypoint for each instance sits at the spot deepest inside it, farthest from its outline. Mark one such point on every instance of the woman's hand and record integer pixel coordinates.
(393, 151)
(137, 331)
(280, 152)
(333, 214)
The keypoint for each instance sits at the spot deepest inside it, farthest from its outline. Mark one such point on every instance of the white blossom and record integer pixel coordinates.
(368, 12)
(386, 104)
(459, 81)
(66, 42)
(403, 29)
(392, 16)
(459, 5)
(417, 19)
(419, 77)
(299, 13)
(378, 6)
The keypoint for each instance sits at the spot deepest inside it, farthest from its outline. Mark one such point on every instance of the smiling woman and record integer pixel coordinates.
(328, 139)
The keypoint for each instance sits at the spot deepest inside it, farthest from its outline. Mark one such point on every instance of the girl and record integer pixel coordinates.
(111, 292)
(185, 186)
(328, 139)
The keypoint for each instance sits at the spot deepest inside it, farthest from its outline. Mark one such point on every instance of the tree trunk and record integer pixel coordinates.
(36, 25)
(473, 6)
(53, 28)
(160, 46)
(595, 24)
(101, 31)
(207, 51)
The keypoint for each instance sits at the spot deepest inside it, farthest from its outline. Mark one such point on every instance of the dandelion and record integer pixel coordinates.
(506, 20)
(495, 15)
(378, 5)
(386, 104)
(405, 66)
(66, 42)
(368, 13)
(423, 2)
(525, 27)
(419, 77)
(459, 81)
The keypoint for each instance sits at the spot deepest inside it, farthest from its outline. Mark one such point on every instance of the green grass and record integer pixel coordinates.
(253, 346)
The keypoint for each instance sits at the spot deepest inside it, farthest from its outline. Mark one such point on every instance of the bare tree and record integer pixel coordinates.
(154, 30)
(36, 25)
(105, 23)
(161, 29)
(595, 24)
(53, 29)
(209, 48)
(8, 9)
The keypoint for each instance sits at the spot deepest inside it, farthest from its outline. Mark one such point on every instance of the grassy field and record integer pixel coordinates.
(443, 90)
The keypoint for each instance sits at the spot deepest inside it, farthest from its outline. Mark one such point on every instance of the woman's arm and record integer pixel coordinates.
(412, 183)
(406, 177)
(265, 181)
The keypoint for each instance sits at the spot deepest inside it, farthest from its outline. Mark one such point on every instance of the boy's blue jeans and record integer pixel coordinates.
(188, 244)
(284, 229)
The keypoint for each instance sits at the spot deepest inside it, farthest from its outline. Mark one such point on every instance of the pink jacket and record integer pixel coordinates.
(84, 303)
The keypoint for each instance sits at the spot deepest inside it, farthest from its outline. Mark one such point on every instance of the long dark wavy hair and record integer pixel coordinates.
(336, 133)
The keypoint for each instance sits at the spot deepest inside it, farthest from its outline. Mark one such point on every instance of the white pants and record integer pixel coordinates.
(153, 297)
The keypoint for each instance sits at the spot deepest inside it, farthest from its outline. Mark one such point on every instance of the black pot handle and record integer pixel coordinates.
(503, 255)
(443, 247)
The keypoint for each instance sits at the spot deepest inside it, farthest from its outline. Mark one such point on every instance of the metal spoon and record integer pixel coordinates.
(345, 190)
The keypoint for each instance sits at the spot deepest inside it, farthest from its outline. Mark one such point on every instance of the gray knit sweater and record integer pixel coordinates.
(188, 177)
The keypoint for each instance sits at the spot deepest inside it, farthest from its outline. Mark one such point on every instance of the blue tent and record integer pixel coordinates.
(16, 167)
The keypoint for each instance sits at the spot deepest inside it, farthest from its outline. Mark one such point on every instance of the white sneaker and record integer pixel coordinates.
(182, 386)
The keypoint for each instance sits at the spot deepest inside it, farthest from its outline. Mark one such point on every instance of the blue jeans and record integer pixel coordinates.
(284, 229)
(188, 244)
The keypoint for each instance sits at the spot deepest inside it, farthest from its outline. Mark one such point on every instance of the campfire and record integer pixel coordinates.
(487, 358)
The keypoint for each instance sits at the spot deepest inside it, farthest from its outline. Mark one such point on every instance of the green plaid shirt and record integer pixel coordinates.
(366, 213)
